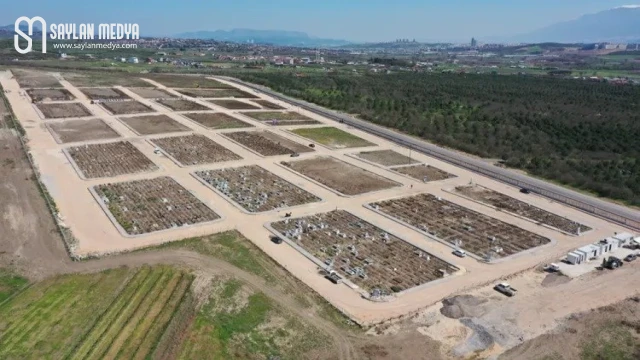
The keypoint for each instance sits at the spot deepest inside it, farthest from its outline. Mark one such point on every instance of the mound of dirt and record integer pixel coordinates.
(554, 279)
(461, 306)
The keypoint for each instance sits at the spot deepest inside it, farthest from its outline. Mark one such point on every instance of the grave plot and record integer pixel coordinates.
(35, 79)
(216, 93)
(182, 105)
(81, 130)
(181, 81)
(194, 150)
(104, 79)
(332, 137)
(153, 124)
(110, 159)
(217, 120)
(424, 173)
(340, 176)
(145, 206)
(234, 104)
(267, 143)
(281, 118)
(126, 107)
(368, 256)
(63, 110)
(38, 95)
(386, 157)
(151, 93)
(269, 105)
(104, 94)
(507, 203)
(256, 189)
(472, 231)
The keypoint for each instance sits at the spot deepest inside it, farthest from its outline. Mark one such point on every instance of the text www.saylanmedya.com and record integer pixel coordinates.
(84, 45)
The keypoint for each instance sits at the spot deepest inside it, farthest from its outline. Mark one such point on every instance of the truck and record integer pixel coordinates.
(505, 289)
(612, 263)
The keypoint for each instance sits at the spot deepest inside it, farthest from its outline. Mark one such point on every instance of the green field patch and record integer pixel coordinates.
(332, 137)
(10, 284)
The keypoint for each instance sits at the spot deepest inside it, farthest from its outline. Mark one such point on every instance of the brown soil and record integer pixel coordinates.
(234, 104)
(256, 189)
(181, 81)
(386, 157)
(610, 332)
(217, 120)
(268, 105)
(341, 176)
(195, 150)
(104, 79)
(152, 93)
(50, 94)
(216, 93)
(35, 79)
(68, 110)
(554, 279)
(267, 143)
(104, 94)
(460, 306)
(126, 107)
(424, 173)
(181, 105)
(82, 130)
(110, 159)
(153, 124)
(507, 203)
(149, 205)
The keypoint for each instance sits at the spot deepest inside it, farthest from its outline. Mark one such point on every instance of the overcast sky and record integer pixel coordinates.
(355, 20)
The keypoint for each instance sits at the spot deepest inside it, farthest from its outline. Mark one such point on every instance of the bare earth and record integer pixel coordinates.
(341, 176)
(149, 93)
(386, 157)
(217, 120)
(68, 110)
(82, 130)
(153, 124)
(126, 107)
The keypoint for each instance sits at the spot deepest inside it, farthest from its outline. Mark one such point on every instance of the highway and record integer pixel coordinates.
(610, 211)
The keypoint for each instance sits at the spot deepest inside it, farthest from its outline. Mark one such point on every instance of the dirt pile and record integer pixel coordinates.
(462, 306)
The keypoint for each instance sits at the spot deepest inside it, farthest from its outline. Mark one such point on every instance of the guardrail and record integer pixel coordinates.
(440, 154)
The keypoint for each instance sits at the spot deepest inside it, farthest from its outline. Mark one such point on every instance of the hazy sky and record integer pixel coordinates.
(356, 20)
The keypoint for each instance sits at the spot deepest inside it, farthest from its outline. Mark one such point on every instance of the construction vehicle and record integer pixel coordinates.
(612, 263)
(505, 289)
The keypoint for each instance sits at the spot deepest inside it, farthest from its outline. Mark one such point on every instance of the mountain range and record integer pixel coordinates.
(273, 37)
(621, 24)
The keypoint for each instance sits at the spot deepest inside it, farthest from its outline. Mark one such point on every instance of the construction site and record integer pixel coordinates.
(383, 219)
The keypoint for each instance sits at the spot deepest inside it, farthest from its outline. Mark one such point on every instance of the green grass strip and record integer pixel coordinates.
(93, 336)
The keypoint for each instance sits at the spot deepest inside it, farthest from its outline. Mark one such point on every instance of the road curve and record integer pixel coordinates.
(619, 214)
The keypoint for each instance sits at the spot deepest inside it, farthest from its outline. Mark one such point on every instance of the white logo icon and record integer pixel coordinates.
(30, 21)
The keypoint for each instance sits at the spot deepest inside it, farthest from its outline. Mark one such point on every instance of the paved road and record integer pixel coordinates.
(610, 211)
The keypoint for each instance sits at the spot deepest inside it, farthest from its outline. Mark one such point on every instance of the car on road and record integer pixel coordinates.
(295, 155)
(630, 257)
(459, 253)
(505, 289)
(276, 239)
(525, 191)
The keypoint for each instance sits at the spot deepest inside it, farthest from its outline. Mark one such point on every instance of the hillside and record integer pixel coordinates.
(275, 37)
(621, 24)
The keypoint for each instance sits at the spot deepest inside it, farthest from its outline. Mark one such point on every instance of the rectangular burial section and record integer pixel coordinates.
(365, 254)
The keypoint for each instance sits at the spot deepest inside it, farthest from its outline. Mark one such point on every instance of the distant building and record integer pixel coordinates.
(133, 60)
(474, 42)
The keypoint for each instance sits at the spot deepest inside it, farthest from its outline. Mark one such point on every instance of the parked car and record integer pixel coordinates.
(505, 289)
(459, 253)
(525, 191)
(276, 239)
(630, 257)
(295, 155)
